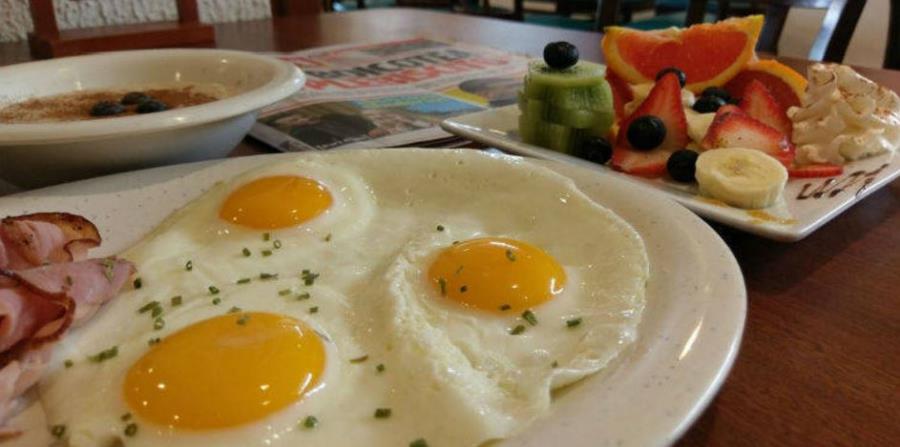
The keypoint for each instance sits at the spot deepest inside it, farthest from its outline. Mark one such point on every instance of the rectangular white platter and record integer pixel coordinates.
(806, 204)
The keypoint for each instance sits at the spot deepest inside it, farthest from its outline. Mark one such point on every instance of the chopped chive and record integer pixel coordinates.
(149, 306)
(216, 301)
(58, 431)
(276, 244)
(284, 292)
(213, 290)
(308, 277)
(510, 255)
(243, 281)
(440, 228)
(69, 280)
(328, 237)
(157, 311)
(360, 359)
(573, 322)
(517, 330)
(463, 289)
(313, 309)
(310, 422)
(268, 276)
(234, 309)
(153, 341)
(266, 236)
(303, 296)
(443, 283)
(137, 283)
(125, 417)
(418, 443)
(266, 253)
(455, 242)
(505, 307)
(243, 320)
(189, 265)
(159, 323)
(108, 265)
(104, 355)
(555, 364)
(131, 429)
(246, 252)
(459, 270)
(528, 316)
(68, 363)
(380, 367)
(176, 300)
(382, 413)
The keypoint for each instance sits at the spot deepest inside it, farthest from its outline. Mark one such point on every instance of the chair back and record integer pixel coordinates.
(834, 37)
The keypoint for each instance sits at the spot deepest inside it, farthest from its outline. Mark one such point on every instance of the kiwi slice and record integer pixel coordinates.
(579, 118)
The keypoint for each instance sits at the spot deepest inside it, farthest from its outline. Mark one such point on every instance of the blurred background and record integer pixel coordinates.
(867, 46)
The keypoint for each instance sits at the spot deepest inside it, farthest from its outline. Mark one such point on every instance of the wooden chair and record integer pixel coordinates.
(892, 52)
(834, 37)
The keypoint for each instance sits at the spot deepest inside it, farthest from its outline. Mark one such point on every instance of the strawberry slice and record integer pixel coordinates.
(621, 92)
(815, 171)
(664, 102)
(650, 164)
(734, 129)
(759, 103)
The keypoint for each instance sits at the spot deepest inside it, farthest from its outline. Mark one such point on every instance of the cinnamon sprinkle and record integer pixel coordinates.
(76, 106)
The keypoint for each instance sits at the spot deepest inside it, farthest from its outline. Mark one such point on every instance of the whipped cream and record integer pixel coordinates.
(844, 117)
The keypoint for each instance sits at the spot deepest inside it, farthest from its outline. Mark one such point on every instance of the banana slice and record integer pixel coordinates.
(745, 178)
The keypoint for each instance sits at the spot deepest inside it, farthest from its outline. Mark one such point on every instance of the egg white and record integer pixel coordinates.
(452, 376)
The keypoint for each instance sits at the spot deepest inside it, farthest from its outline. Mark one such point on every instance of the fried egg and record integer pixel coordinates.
(356, 298)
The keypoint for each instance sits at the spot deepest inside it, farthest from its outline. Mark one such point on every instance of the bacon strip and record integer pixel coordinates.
(45, 288)
(36, 239)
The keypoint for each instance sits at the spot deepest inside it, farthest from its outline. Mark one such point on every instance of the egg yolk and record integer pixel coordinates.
(225, 371)
(276, 202)
(497, 274)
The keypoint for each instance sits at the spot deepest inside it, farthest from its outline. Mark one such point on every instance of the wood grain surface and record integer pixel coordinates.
(820, 359)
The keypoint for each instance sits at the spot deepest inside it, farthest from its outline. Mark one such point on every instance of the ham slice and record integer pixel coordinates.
(46, 287)
(36, 239)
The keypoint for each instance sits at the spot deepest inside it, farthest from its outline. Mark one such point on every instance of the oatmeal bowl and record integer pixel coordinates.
(78, 117)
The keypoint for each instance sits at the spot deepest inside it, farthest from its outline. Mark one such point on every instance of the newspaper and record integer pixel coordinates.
(387, 94)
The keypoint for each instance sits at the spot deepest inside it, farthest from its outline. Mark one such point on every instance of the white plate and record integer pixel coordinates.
(687, 339)
(806, 205)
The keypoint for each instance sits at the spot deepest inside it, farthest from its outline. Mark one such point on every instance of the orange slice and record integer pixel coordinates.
(785, 84)
(710, 54)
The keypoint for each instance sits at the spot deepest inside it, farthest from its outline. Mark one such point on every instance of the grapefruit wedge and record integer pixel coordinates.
(710, 54)
(785, 84)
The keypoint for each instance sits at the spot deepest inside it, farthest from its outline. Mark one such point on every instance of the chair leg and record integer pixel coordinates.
(892, 52)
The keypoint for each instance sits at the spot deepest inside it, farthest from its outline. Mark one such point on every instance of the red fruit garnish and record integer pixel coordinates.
(736, 129)
(815, 171)
(650, 164)
(621, 92)
(759, 103)
(663, 102)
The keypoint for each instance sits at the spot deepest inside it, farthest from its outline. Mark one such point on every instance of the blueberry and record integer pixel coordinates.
(151, 106)
(646, 132)
(107, 108)
(560, 55)
(682, 165)
(708, 104)
(682, 78)
(133, 98)
(596, 150)
(718, 92)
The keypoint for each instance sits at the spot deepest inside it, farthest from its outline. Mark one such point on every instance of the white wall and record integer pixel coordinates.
(15, 19)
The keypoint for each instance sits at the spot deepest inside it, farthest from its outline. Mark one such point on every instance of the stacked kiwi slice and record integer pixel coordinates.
(564, 102)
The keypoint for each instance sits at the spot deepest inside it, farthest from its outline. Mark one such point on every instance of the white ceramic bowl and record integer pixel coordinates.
(44, 153)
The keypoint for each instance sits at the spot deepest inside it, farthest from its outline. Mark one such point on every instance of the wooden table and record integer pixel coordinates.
(820, 359)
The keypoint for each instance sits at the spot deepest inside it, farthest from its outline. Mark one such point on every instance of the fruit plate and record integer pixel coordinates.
(805, 205)
(687, 339)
